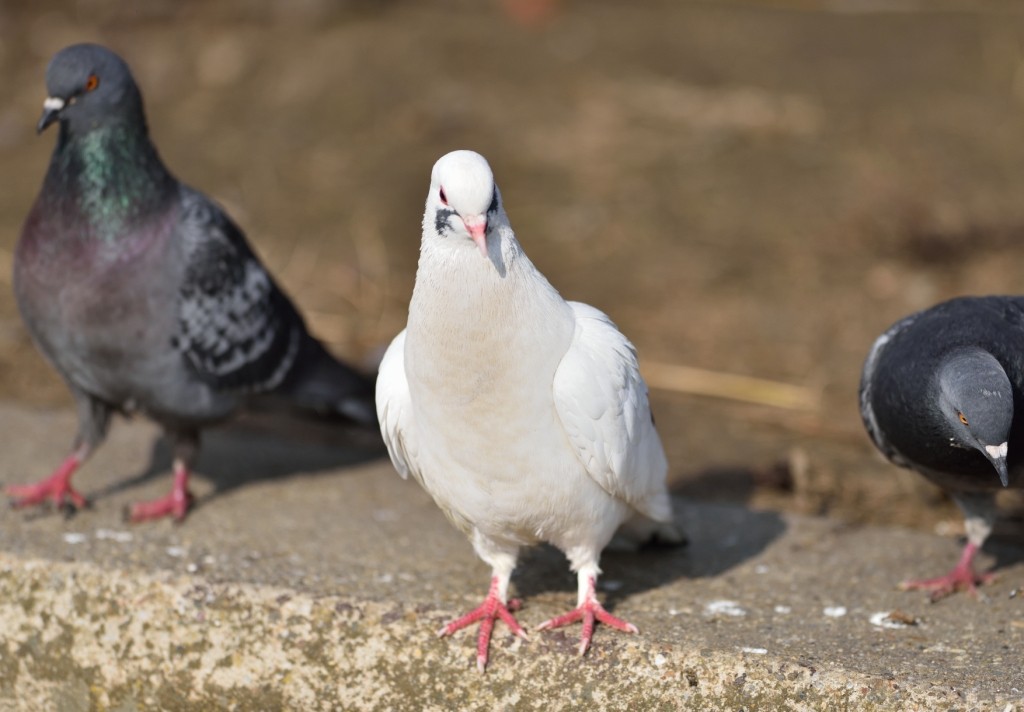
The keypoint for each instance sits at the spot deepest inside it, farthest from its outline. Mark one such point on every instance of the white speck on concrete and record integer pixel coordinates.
(834, 611)
(660, 660)
(724, 608)
(755, 651)
(385, 578)
(113, 535)
(882, 620)
(74, 537)
(783, 610)
(761, 569)
(175, 551)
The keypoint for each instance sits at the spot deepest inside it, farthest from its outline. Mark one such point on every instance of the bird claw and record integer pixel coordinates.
(590, 612)
(61, 495)
(56, 489)
(944, 586)
(68, 509)
(174, 504)
(960, 578)
(487, 613)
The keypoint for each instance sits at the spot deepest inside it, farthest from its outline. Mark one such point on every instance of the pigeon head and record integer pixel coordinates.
(89, 86)
(463, 201)
(976, 401)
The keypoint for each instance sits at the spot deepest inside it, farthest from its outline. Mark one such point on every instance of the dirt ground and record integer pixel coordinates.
(756, 188)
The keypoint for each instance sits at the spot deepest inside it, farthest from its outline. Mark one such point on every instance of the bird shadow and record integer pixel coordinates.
(259, 447)
(1004, 545)
(1005, 552)
(720, 536)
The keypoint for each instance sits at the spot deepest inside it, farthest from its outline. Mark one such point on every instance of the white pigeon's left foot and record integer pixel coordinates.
(487, 612)
(590, 612)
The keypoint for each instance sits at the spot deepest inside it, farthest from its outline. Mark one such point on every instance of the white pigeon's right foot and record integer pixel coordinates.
(487, 612)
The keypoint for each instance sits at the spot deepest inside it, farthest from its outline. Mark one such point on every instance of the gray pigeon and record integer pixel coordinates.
(942, 393)
(144, 294)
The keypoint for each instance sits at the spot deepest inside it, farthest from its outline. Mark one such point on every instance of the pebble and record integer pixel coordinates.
(119, 537)
(724, 608)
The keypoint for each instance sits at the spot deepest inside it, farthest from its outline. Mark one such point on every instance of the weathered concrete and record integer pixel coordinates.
(319, 583)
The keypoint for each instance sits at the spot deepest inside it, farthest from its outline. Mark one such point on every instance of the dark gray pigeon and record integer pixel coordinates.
(942, 393)
(145, 295)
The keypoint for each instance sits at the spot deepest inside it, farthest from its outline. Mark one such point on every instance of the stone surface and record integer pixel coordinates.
(318, 583)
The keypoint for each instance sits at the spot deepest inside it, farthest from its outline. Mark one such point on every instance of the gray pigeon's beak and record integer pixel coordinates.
(52, 107)
(997, 456)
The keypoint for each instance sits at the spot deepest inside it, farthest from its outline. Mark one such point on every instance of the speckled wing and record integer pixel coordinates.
(867, 392)
(236, 330)
(394, 410)
(602, 403)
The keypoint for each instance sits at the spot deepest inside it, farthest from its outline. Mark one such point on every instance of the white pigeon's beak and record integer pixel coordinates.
(477, 227)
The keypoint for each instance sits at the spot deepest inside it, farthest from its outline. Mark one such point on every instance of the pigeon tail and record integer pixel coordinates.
(320, 384)
(640, 531)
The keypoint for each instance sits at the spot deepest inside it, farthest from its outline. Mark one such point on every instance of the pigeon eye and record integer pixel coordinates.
(444, 198)
(963, 418)
(92, 82)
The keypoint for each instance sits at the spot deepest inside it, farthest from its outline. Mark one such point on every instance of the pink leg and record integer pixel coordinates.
(56, 487)
(492, 608)
(961, 578)
(174, 504)
(590, 611)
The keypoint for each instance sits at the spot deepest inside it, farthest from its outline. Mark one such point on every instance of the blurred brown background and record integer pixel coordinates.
(748, 187)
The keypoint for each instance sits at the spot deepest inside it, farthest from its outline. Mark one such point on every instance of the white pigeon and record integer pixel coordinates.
(523, 415)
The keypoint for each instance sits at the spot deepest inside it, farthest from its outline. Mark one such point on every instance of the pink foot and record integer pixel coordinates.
(487, 612)
(56, 487)
(961, 578)
(590, 611)
(174, 504)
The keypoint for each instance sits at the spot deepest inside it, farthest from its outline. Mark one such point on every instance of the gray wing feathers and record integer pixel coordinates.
(867, 412)
(236, 329)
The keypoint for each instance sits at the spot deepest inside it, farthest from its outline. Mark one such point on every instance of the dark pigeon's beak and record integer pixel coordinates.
(51, 112)
(996, 454)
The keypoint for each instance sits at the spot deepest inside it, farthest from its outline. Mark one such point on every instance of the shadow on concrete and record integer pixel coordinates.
(260, 447)
(1005, 544)
(1007, 552)
(721, 536)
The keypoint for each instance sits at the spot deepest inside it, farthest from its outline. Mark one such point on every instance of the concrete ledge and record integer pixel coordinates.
(80, 637)
(312, 577)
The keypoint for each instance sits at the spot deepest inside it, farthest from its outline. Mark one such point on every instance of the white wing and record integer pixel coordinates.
(394, 409)
(602, 403)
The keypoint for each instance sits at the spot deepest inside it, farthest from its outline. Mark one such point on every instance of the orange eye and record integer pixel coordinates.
(963, 418)
(92, 82)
